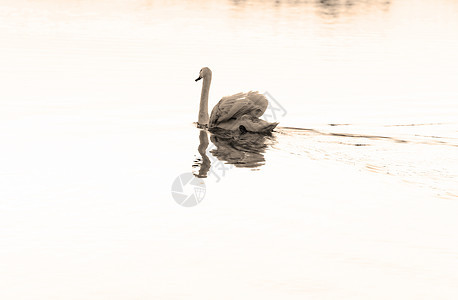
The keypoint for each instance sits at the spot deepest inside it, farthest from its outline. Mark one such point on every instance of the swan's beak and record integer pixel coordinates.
(198, 78)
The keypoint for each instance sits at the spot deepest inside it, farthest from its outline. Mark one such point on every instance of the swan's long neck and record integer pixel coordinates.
(203, 109)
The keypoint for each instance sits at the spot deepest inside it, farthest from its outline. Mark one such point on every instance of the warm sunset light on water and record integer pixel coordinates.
(109, 191)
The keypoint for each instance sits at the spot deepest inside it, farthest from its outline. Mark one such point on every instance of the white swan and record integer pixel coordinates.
(237, 112)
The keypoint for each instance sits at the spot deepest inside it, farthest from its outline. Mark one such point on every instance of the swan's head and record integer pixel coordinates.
(204, 73)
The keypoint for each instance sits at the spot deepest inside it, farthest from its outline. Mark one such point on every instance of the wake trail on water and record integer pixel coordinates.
(427, 157)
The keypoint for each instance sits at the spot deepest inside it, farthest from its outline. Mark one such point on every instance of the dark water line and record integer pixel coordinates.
(373, 137)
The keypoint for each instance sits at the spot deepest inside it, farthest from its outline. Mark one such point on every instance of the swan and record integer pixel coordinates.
(237, 112)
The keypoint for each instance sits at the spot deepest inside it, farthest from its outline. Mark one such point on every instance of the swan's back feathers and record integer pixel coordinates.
(235, 106)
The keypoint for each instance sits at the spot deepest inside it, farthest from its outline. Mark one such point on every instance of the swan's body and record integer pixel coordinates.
(237, 112)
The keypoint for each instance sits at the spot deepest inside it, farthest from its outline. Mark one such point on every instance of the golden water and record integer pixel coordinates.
(353, 197)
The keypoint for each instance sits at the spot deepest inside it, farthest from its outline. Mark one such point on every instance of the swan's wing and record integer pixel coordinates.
(259, 102)
(235, 106)
(228, 107)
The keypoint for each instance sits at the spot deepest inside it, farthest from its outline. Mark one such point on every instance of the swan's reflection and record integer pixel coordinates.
(243, 150)
(202, 163)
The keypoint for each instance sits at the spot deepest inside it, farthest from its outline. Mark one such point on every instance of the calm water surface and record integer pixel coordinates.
(353, 197)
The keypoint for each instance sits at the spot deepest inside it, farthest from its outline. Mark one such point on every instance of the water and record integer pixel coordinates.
(354, 196)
